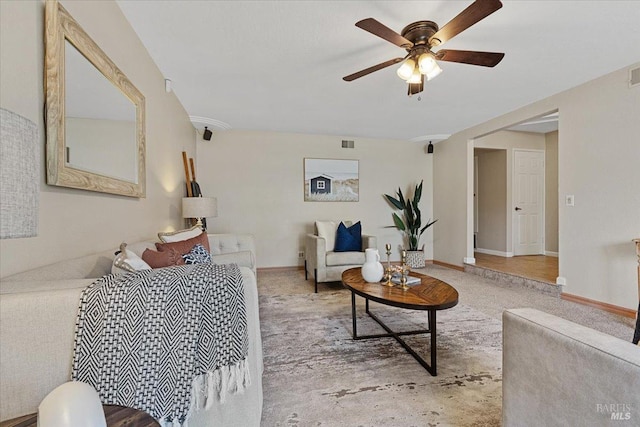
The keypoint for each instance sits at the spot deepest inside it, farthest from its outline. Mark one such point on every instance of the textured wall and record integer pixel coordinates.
(73, 223)
(492, 200)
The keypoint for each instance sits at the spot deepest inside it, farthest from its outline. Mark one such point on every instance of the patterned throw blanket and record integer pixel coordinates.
(168, 341)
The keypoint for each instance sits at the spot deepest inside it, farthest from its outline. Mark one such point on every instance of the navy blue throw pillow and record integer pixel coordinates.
(198, 255)
(349, 239)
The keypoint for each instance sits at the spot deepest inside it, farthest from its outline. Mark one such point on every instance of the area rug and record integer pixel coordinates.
(316, 375)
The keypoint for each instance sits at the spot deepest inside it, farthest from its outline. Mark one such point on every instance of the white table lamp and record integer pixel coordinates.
(73, 404)
(199, 207)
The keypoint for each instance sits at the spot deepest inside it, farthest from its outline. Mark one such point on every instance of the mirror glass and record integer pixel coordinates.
(95, 117)
(100, 137)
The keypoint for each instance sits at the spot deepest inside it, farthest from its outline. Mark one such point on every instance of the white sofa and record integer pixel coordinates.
(38, 311)
(558, 373)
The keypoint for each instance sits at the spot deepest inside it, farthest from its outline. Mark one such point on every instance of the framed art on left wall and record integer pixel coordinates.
(331, 180)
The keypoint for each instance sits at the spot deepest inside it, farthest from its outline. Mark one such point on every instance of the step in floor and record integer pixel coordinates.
(515, 280)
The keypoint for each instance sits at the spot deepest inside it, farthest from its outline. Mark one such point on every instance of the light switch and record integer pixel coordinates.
(569, 200)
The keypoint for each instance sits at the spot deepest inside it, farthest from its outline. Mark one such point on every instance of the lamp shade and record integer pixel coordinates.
(434, 72)
(73, 404)
(416, 77)
(426, 62)
(406, 69)
(199, 207)
(428, 65)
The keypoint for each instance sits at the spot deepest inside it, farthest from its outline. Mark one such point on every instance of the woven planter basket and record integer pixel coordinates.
(415, 259)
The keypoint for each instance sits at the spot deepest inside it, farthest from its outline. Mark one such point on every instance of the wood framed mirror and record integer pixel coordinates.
(95, 117)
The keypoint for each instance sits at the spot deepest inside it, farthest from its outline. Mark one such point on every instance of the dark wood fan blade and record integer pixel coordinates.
(384, 32)
(370, 70)
(485, 59)
(477, 11)
(416, 87)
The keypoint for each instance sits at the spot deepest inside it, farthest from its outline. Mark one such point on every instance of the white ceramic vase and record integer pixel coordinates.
(372, 269)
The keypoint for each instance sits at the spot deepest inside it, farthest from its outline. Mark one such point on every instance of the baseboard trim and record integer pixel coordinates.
(492, 252)
(446, 264)
(620, 311)
(290, 268)
(553, 254)
(301, 267)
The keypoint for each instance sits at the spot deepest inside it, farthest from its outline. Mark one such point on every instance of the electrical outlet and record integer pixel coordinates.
(301, 254)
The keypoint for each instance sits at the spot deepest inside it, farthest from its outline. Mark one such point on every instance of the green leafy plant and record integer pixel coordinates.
(411, 222)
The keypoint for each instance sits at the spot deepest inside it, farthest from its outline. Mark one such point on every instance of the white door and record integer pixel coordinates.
(528, 202)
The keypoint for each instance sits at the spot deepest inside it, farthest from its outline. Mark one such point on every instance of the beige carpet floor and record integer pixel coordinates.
(316, 375)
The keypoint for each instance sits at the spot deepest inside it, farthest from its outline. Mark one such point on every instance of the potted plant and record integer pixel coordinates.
(411, 223)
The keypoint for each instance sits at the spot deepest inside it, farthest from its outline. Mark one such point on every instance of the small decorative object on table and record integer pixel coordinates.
(404, 271)
(388, 271)
(372, 270)
(415, 259)
(400, 275)
(411, 280)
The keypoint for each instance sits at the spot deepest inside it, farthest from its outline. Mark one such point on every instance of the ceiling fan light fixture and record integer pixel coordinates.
(426, 62)
(428, 65)
(418, 38)
(405, 71)
(434, 72)
(416, 77)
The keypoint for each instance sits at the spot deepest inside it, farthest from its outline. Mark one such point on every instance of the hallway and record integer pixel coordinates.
(538, 267)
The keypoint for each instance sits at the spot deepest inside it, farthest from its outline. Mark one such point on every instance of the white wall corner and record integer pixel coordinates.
(469, 260)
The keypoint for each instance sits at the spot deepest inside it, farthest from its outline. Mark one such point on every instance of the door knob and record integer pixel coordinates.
(518, 209)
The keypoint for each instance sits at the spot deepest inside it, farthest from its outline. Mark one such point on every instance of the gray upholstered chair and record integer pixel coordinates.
(322, 261)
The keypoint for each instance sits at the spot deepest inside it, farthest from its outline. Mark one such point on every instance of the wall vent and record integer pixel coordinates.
(347, 144)
(634, 77)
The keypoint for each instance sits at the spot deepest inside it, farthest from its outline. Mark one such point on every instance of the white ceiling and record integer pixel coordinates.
(278, 65)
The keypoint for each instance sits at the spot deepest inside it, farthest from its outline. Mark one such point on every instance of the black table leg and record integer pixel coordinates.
(636, 335)
(432, 327)
(431, 368)
(353, 315)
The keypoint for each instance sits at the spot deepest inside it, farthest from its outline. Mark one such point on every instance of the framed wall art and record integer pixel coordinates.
(331, 180)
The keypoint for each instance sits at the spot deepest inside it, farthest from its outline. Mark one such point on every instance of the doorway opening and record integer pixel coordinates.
(515, 199)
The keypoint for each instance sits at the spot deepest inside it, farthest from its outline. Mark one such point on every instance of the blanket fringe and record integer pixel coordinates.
(214, 385)
(175, 423)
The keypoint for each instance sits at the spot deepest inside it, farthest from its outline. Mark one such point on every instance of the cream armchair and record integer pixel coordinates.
(325, 264)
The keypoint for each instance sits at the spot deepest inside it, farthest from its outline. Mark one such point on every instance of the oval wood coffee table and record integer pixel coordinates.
(430, 295)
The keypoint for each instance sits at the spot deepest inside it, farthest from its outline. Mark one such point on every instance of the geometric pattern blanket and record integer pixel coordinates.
(169, 341)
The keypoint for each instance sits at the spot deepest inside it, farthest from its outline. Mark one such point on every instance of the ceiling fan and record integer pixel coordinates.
(419, 38)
